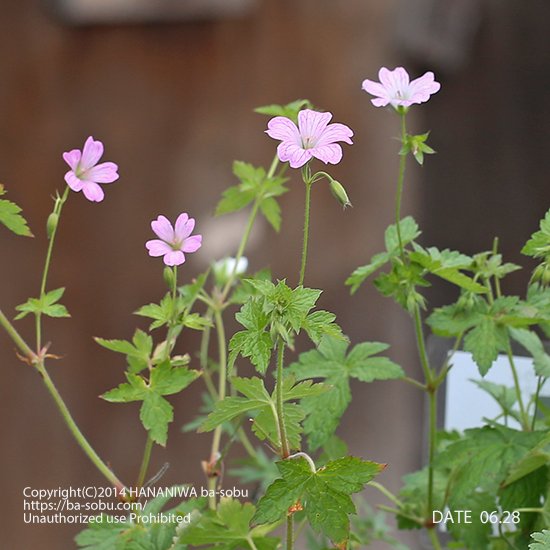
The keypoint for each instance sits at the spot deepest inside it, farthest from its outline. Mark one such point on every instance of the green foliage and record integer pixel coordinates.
(10, 217)
(532, 343)
(417, 146)
(409, 232)
(228, 528)
(324, 494)
(538, 246)
(259, 470)
(277, 311)
(331, 363)
(257, 400)
(504, 396)
(256, 186)
(156, 412)
(542, 540)
(46, 305)
(290, 110)
(138, 352)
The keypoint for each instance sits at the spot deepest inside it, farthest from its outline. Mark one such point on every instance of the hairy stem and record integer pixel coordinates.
(290, 532)
(400, 180)
(285, 451)
(434, 539)
(523, 415)
(306, 232)
(51, 239)
(145, 462)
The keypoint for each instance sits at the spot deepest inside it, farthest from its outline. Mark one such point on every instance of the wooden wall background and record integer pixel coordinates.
(173, 105)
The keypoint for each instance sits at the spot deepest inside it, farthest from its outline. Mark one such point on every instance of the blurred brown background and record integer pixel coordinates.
(173, 104)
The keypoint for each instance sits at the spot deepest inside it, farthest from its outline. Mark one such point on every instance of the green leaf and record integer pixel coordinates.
(538, 246)
(138, 352)
(10, 216)
(446, 265)
(542, 540)
(133, 390)
(155, 415)
(324, 494)
(409, 232)
(103, 534)
(272, 211)
(532, 343)
(290, 110)
(504, 396)
(229, 527)
(321, 323)
(454, 319)
(167, 380)
(331, 363)
(45, 306)
(484, 342)
(234, 199)
(536, 458)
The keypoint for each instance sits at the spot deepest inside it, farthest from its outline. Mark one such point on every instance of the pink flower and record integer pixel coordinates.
(394, 88)
(173, 241)
(313, 137)
(85, 173)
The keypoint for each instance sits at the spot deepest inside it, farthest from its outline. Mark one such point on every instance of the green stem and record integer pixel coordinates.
(222, 383)
(540, 383)
(145, 462)
(77, 434)
(15, 336)
(290, 532)
(306, 232)
(523, 414)
(400, 180)
(285, 451)
(57, 210)
(421, 344)
(386, 492)
(251, 543)
(432, 395)
(434, 539)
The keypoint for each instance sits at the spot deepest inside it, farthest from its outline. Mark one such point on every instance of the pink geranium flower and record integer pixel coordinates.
(173, 241)
(395, 88)
(313, 137)
(85, 173)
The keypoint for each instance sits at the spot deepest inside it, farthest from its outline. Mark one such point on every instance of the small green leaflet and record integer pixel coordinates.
(446, 264)
(47, 305)
(417, 146)
(257, 400)
(254, 186)
(138, 352)
(538, 246)
(542, 540)
(290, 110)
(156, 412)
(10, 217)
(532, 343)
(324, 494)
(409, 232)
(331, 363)
(228, 528)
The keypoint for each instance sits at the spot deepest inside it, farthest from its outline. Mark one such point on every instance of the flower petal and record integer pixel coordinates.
(156, 247)
(421, 88)
(296, 156)
(184, 227)
(163, 229)
(72, 158)
(92, 191)
(73, 182)
(312, 123)
(333, 133)
(329, 154)
(106, 172)
(91, 153)
(174, 257)
(192, 244)
(283, 128)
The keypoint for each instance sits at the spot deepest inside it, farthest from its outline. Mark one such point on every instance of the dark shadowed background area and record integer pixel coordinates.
(173, 103)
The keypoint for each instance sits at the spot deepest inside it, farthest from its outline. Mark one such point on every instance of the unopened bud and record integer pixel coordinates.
(337, 189)
(169, 278)
(51, 224)
(226, 268)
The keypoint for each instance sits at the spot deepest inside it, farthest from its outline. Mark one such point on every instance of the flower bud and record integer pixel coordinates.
(223, 269)
(51, 224)
(337, 189)
(169, 278)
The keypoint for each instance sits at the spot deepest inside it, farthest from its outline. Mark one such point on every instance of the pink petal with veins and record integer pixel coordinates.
(283, 128)
(163, 229)
(106, 172)
(92, 152)
(156, 247)
(174, 257)
(329, 154)
(72, 158)
(92, 191)
(192, 244)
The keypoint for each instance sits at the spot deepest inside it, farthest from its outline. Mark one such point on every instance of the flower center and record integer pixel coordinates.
(308, 142)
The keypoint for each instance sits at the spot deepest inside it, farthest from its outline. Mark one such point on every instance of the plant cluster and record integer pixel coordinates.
(286, 415)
